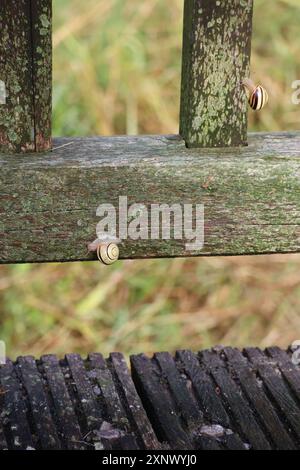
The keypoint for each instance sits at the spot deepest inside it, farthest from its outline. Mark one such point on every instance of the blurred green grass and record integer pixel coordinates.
(117, 70)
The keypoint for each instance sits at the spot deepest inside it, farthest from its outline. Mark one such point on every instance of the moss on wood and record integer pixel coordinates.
(25, 69)
(216, 56)
(251, 195)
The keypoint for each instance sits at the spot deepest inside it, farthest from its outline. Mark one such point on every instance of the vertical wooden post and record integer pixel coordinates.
(216, 56)
(25, 75)
(41, 27)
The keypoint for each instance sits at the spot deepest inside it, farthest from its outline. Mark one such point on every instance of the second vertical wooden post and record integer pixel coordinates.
(41, 21)
(216, 57)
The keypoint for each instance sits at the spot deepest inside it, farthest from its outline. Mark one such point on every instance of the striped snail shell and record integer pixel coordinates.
(108, 253)
(258, 95)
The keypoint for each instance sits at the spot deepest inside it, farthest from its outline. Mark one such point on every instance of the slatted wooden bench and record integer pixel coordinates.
(49, 193)
(214, 400)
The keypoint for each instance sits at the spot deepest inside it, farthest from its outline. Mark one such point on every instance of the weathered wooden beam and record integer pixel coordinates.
(219, 399)
(216, 56)
(251, 196)
(25, 75)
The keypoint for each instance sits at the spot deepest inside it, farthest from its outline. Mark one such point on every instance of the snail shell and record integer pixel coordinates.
(259, 98)
(108, 253)
(258, 95)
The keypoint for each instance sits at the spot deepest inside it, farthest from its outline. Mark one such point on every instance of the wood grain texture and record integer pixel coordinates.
(42, 414)
(216, 57)
(257, 396)
(132, 403)
(26, 71)
(17, 114)
(14, 410)
(277, 388)
(203, 388)
(251, 195)
(219, 399)
(158, 403)
(241, 413)
(67, 422)
(41, 21)
(287, 368)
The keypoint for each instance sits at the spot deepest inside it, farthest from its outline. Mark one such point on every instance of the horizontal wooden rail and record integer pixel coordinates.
(214, 400)
(251, 195)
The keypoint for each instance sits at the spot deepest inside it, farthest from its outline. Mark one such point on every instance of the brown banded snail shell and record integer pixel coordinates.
(258, 95)
(108, 253)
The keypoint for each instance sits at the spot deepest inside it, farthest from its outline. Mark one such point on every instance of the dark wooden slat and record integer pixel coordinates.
(88, 400)
(89, 406)
(290, 372)
(258, 399)
(225, 438)
(113, 440)
(14, 410)
(216, 56)
(239, 407)
(3, 442)
(184, 400)
(132, 402)
(39, 406)
(186, 405)
(208, 398)
(41, 20)
(234, 442)
(206, 392)
(17, 114)
(158, 403)
(207, 443)
(276, 387)
(128, 443)
(114, 408)
(67, 420)
(48, 202)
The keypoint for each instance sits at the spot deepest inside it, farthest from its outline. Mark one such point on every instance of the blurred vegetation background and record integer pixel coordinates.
(116, 71)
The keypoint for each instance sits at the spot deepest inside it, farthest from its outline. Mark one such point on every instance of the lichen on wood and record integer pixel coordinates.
(25, 70)
(251, 196)
(17, 114)
(216, 56)
(41, 17)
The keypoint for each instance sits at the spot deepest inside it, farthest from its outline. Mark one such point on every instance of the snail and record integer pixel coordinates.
(258, 95)
(108, 253)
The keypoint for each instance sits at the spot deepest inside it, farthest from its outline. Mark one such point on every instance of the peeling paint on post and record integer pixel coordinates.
(216, 57)
(26, 75)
